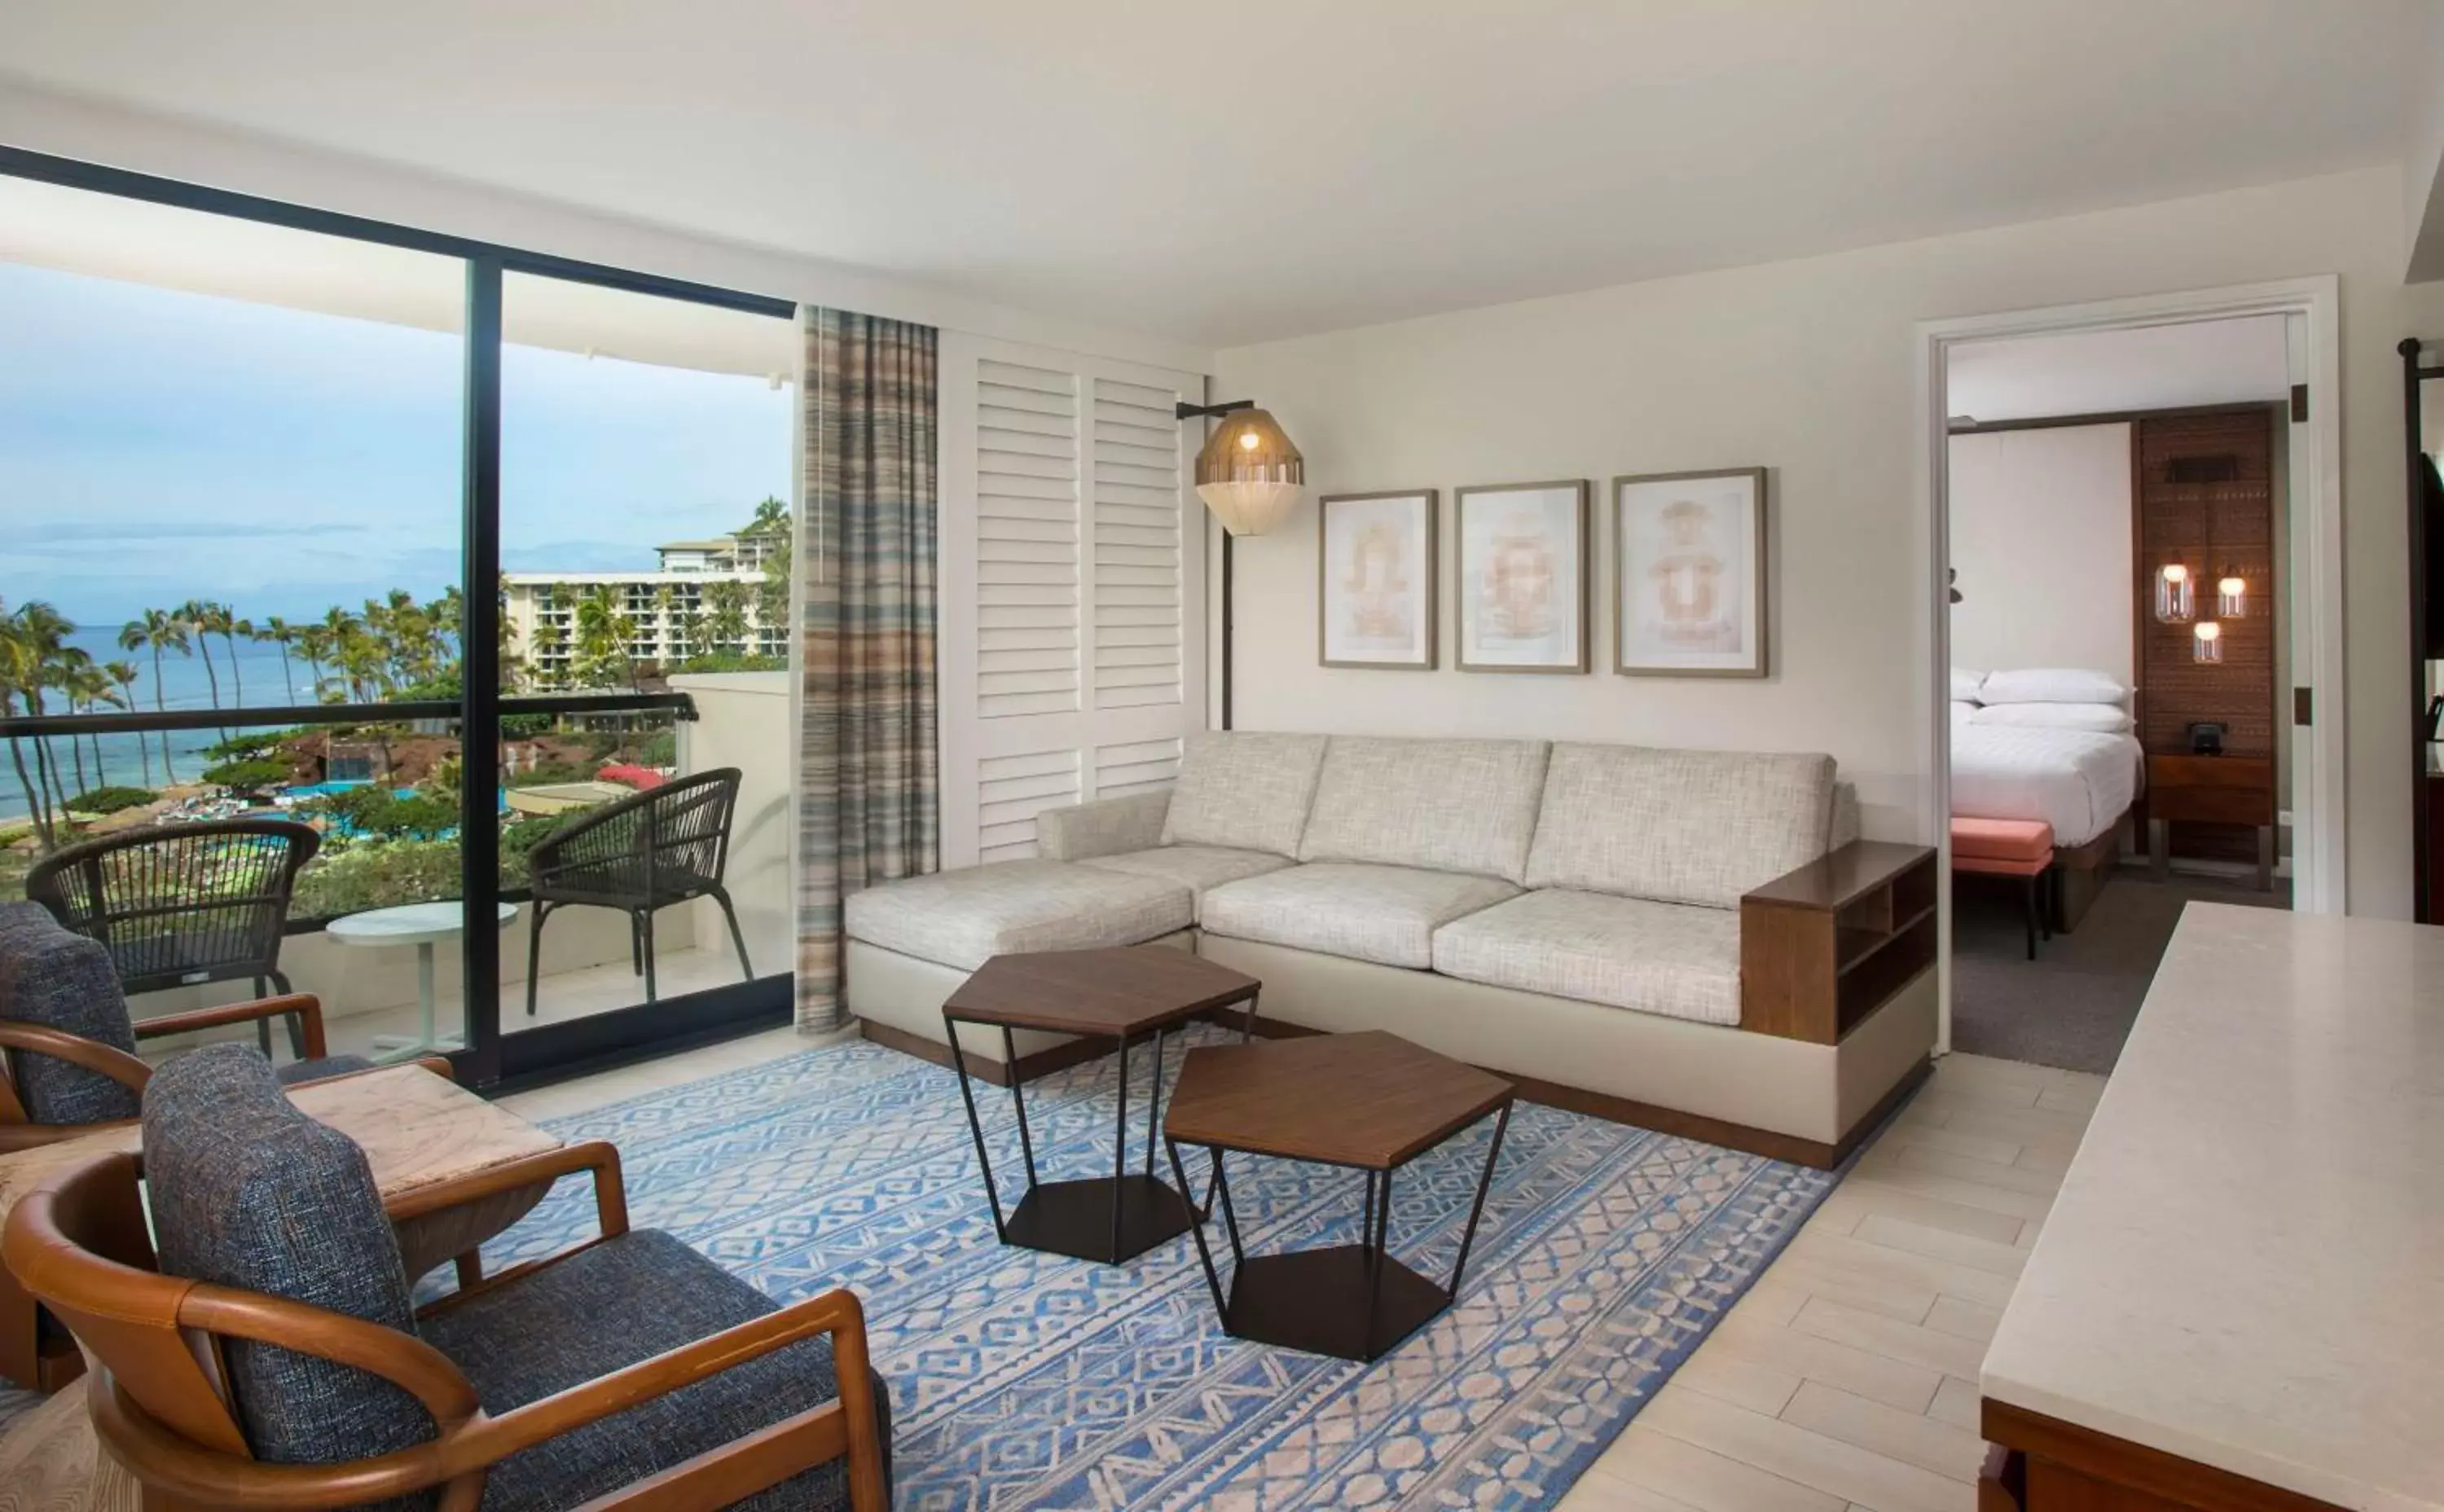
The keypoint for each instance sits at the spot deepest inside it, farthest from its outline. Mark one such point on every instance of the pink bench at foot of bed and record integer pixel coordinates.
(2009, 847)
(2002, 847)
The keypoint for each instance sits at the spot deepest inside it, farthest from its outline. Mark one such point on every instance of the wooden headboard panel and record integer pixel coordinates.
(2202, 491)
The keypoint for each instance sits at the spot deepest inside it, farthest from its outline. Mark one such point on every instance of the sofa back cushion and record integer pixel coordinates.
(1245, 790)
(1445, 805)
(1678, 826)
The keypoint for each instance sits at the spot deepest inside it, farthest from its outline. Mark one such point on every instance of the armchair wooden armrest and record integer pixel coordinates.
(76, 1049)
(307, 1007)
(1825, 944)
(541, 1170)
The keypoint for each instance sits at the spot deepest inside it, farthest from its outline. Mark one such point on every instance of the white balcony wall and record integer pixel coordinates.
(743, 720)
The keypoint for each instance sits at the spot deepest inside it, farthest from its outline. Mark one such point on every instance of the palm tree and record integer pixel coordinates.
(339, 627)
(666, 599)
(159, 630)
(232, 628)
(198, 617)
(603, 635)
(45, 631)
(728, 603)
(279, 632)
(122, 674)
(20, 674)
(549, 640)
(71, 671)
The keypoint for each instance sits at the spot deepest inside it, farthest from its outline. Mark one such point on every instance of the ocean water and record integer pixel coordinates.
(183, 685)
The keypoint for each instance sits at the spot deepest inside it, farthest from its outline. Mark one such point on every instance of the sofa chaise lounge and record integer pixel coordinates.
(1695, 941)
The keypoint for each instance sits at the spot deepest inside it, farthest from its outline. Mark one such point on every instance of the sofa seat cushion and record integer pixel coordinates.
(1387, 914)
(1248, 790)
(1198, 868)
(1449, 805)
(963, 919)
(607, 1307)
(1668, 958)
(1678, 826)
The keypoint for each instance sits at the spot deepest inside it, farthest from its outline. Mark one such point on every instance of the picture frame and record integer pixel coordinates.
(1376, 572)
(1692, 597)
(1522, 575)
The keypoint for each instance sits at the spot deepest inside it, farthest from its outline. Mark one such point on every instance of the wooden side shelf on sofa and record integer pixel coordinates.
(1825, 945)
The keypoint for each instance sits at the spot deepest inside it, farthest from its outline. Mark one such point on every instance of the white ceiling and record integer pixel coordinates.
(2154, 367)
(1226, 174)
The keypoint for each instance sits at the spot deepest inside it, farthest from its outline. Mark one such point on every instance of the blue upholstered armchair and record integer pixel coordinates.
(628, 1371)
(68, 1066)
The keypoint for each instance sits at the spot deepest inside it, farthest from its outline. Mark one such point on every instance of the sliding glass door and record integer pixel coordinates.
(272, 476)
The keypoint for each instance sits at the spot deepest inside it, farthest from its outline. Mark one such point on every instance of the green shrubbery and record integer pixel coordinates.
(111, 800)
(248, 774)
(384, 815)
(381, 874)
(352, 875)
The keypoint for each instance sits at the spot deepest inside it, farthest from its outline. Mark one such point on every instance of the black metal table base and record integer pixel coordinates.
(1111, 1220)
(1074, 1218)
(1316, 1300)
(1351, 1301)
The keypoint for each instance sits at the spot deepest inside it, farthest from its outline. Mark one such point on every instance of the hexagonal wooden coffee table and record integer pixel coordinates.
(1370, 1102)
(1120, 995)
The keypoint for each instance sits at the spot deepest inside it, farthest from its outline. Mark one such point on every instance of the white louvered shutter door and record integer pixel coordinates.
(1071, 637)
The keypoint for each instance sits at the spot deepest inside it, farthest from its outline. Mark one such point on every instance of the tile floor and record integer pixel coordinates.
(1845, 1381)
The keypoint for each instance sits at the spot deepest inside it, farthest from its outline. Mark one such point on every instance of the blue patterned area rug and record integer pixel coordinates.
(1023, 1380)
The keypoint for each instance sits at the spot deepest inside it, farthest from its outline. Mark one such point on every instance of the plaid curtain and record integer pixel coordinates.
(868, 778)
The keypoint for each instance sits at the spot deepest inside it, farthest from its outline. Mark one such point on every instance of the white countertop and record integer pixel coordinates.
(2246, 1265)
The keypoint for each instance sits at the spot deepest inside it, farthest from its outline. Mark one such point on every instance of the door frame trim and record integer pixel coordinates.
(2319, 804)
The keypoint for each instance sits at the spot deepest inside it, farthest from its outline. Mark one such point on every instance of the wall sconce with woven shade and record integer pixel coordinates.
(1250, 473)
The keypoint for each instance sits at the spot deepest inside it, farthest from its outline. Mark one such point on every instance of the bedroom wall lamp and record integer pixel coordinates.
(2176, 595)
(2231, 597)
(1250, 473)
(2206, 643)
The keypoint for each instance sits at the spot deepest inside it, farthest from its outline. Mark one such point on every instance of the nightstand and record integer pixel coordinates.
(2211, 790)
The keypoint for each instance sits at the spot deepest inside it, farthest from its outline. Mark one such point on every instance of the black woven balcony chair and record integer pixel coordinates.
(643, 854)
(180, 905)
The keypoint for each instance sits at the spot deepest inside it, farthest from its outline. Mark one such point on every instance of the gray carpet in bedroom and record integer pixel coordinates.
(2073, 1006)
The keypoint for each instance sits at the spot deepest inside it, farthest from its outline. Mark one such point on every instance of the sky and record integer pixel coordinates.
(158, 445)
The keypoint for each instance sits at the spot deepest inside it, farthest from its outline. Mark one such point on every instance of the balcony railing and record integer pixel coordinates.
(703, 721)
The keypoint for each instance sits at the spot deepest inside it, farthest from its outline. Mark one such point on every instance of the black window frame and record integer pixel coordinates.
(491, 1058)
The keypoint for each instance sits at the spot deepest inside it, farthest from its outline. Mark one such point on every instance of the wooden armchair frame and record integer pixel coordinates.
(159, 1398)
(17, 1131)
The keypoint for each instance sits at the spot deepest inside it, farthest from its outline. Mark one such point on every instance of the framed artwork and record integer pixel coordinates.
(1689, 574)
(1523, 578)
(1376, 589)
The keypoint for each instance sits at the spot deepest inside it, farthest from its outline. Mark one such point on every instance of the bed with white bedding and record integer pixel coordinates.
(2080, 782)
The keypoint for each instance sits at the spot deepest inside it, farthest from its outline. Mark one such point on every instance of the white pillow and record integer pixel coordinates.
(1963, 709)
(2052, 685)
(2104, 719)
(1965, 685)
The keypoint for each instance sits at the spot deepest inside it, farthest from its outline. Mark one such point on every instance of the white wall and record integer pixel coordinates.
(743, 720)
(1806, 368)
(2041, 538)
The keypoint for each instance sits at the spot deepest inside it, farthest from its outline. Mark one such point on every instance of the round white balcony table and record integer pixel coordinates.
(424, 926)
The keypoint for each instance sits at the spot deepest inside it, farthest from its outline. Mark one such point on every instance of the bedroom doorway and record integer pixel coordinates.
(2126, 511)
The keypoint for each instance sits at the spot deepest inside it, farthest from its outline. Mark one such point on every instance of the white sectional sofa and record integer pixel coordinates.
(1691, 940)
